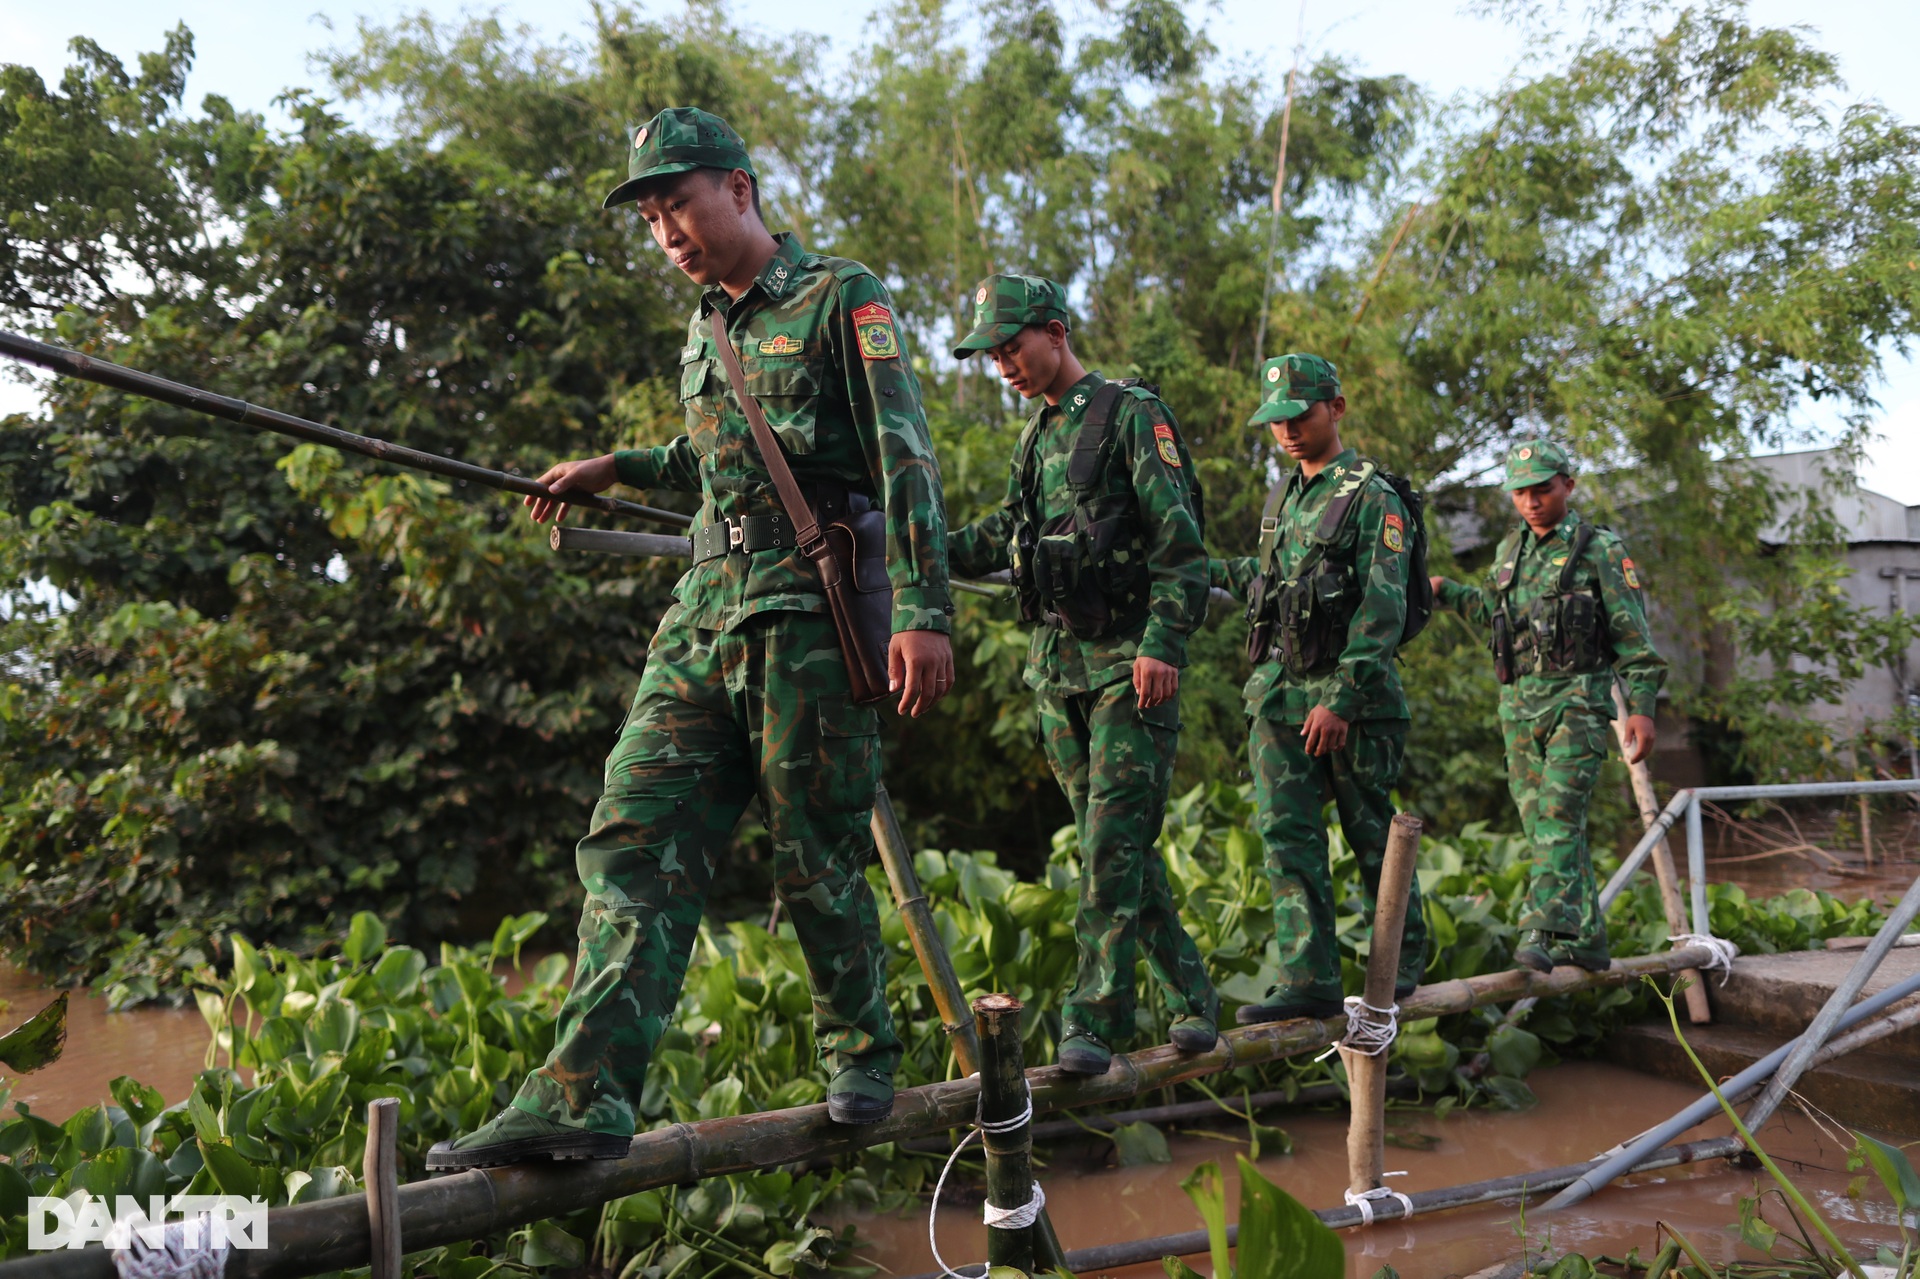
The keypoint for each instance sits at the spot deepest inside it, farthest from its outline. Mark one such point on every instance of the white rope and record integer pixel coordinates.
(1364, 1202)
(999, 1218)
(174, 1258)
(1721, 952)
(1370, 1030)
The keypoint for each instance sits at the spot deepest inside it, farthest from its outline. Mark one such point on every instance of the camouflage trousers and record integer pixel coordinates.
(719, 717)
(1290, 792)
(1115, 763)
(1553, 761)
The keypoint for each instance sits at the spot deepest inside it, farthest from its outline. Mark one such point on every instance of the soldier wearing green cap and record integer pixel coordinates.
(1565, 613)
(745, 690)
(1102, 531)
(1327, 596)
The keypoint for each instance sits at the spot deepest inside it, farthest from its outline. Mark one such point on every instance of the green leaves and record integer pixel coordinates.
(1895, 1170)
(37, 1041)
(1278, 1239)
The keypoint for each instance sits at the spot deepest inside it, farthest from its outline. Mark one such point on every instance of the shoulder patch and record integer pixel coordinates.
(1393, 533)
(873, 325)
(1164, 444)
(1633, 578)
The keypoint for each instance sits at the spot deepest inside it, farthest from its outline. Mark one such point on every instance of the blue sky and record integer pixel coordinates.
(249, 53)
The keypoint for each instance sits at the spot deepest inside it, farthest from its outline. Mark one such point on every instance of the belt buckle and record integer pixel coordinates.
(736, 536)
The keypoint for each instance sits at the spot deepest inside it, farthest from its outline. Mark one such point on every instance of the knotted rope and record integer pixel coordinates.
(1364, 1202)
(1721, 951)
(1370, 1030)
(174, 1257)
(999, 1218)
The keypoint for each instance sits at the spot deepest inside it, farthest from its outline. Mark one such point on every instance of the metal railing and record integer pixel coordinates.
(1686, 803)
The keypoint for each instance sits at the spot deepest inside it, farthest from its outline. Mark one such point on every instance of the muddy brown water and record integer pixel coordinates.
(1584, 1108)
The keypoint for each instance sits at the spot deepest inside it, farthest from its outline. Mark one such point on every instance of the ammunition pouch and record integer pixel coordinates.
(1505, 669)
(1305, 620)
(1555, 635)
(1069, 575)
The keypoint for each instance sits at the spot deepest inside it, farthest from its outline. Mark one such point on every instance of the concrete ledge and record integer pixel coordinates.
(1780, 994)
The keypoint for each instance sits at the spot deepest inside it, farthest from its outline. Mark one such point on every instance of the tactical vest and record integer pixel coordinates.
(1084, 571)
(1306, 616)
(1564, 633)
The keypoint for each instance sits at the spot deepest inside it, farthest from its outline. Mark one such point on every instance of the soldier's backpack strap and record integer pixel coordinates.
(1096, 429)
(1506, 561)
(1270, 522)
(1580, 541)
(1333, 520)
(1023, 459)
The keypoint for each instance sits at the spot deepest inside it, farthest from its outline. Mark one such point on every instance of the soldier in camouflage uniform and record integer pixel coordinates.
(1340, 727)
(1564, 604)
(745, 690)
(1108, 560)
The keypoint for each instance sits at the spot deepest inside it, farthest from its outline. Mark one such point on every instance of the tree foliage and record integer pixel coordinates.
(277, 685)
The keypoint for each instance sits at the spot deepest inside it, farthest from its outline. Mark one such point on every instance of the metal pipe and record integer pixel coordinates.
(1655, 833)
(1518, 1186)
(1697, 866)
(121, 378)
(1807, 790)
(1837, 1003)
(313, 1238)
(1618, 1160)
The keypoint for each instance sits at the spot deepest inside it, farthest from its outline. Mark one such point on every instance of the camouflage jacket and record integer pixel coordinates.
(821, 354)
(1364, 686)
(1145, 456)
(1605, 569)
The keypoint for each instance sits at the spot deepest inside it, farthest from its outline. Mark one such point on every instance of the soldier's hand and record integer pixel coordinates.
(1154, 681)
(588, 475)
(1325, 732)
(1437, 581)
(1638, 742)
(920, 669)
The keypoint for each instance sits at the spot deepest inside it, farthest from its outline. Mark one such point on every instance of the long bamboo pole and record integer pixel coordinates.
(313, 1238)
(1640, 774)
(1367, 1072)
(132, 381)
(1279, 195)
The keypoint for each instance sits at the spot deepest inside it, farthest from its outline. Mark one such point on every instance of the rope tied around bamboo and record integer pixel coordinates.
(1373, 1023)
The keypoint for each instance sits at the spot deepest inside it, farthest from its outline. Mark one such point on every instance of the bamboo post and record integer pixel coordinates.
(949, 1000)
(1367, 1073)
(1640, 775)
(1005, 1102)
(381, 1172)
(948, 997)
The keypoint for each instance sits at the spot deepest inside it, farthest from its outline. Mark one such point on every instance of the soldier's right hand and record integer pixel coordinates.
(588, 475)
(1437, 582)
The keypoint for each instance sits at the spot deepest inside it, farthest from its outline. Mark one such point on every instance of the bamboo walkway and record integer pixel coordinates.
(310, 1239)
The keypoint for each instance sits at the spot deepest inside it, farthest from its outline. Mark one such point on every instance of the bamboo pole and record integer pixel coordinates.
(1640, 775)
(949, 1000)
(313, 1238)
(380, 1170)
(915, 912)
(1367, 1072)
(132, 381)
(1279, 194)
(1003, 1101)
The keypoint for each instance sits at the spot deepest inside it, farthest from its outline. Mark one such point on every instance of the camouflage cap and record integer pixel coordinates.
(1004, 304)
(676, 140)
(1289, 383)
(1532, 461)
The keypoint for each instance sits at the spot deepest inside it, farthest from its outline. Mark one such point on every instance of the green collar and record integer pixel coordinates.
(776, 279)
(1343, 461)
(1073, 405)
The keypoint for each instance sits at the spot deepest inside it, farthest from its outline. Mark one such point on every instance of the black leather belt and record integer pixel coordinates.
(743, 536)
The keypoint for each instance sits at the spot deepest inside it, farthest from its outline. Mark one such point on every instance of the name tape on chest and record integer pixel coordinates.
(873, 327)
(1393, 534)
(1164, 444)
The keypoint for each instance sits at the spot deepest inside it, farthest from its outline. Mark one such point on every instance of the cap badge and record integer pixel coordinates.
(640, 138)
(980, 296)
(1524, 454)
(1273, 374)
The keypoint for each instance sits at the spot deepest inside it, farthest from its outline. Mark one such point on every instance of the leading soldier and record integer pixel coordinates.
(745, 690)
(1564, 608)
(1102, 530)
(1328, 606)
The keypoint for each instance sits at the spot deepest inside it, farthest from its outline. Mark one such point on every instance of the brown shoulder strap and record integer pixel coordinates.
(806, 530)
